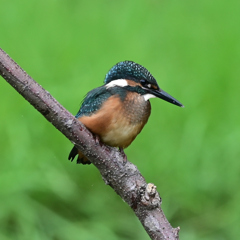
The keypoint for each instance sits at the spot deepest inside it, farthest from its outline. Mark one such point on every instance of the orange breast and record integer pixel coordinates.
(117, 123)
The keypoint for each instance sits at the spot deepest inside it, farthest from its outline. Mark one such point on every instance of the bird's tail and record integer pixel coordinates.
(81, 158)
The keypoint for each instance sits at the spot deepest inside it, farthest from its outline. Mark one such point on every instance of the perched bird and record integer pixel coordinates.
(117, 111)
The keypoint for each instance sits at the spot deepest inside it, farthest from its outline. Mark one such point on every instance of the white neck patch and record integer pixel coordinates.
(118, 82)
(148, 96)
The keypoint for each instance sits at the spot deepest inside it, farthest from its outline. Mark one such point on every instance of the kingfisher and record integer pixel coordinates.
(117, 111)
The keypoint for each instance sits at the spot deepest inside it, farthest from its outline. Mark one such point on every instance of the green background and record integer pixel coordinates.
(192, 154)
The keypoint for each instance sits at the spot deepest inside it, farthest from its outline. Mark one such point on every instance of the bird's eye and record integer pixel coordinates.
(145, 83)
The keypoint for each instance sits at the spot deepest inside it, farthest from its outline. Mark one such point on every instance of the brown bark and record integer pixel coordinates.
(125, 179)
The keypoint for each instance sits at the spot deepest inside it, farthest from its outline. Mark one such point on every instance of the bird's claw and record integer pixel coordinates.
(123, 155)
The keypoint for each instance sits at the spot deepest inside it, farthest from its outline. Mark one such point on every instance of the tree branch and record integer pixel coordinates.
(125, 179)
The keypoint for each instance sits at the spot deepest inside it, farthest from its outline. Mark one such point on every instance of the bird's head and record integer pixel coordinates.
(136, 78)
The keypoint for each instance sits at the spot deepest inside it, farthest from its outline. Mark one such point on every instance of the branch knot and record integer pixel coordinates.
(149, 196)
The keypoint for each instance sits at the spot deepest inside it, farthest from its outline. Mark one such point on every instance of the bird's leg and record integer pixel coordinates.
(123, 155)
(97, 139)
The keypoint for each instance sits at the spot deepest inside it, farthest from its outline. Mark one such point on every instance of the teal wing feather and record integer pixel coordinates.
(93, 101)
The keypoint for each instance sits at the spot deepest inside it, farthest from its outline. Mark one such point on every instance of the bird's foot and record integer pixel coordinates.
(97, 139)
(123, 155)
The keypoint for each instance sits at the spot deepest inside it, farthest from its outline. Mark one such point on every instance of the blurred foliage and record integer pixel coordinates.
(191, 154)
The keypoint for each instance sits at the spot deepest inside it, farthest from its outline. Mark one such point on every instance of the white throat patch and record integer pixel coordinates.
(148, 96)
(118, 82)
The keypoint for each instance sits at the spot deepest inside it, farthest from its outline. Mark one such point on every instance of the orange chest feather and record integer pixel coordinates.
(117, 123)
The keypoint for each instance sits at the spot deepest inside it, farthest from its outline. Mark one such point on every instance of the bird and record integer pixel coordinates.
(117, 111)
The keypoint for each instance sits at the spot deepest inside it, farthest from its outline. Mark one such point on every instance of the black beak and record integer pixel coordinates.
(165, 96)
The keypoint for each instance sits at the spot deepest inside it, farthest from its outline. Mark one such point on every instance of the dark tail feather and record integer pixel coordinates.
(73, 154)
(81, 158)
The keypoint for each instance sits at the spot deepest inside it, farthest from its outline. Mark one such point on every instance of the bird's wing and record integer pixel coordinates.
(93, 101)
